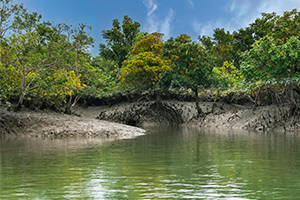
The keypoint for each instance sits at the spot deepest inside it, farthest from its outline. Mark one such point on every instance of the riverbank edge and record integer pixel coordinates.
(224, 116)
(58, 125)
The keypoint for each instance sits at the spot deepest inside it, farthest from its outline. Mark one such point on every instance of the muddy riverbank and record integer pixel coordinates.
(218, 115)
(56, 125)
(122, 120)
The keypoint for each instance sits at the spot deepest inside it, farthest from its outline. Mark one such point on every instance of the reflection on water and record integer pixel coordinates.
(167, 163)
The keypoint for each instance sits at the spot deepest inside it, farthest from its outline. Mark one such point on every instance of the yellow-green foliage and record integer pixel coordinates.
(62, 82)
(8, 81)
(58, 83)
(227, 75)
(143, 70)
(146, 65)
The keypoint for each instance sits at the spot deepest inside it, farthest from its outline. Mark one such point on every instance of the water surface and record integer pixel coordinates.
(170, 163)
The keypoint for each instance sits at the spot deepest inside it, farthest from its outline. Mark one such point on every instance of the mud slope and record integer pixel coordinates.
(264, 118)
(50, 124)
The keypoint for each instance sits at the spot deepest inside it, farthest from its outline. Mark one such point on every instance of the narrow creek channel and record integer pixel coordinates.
(166, 163)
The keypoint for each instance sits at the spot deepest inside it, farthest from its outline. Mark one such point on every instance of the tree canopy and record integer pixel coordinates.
(191, 65)
(41, 60)
(119, 40)
(145, 67)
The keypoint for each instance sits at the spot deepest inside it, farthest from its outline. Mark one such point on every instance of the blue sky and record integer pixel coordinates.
(171, 17)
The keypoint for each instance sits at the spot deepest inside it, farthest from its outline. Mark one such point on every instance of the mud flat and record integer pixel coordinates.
(51, 124)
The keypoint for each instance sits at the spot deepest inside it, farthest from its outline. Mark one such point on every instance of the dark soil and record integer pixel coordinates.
(266, 118)
(139, 114)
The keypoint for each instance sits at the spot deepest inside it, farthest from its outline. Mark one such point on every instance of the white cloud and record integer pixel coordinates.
(243, 13)
(165, 26)
(278, 6)
(151, 6)
(203, 29)
(154, 23)
(208, 27)
(191, 3)
(240, 9)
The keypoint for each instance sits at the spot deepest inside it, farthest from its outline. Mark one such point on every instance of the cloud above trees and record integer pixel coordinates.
(154, 22)
(243, 13)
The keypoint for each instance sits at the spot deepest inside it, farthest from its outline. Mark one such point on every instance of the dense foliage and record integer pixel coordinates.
(41, 60)
(146, 65)
(191, 65)
(119, 39)
(45, 62)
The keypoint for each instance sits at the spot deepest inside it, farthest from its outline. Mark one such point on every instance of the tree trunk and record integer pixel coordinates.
(256, 100)
(85, 103)
(20, 102)
(293, 104)
(22, 95)
(69, 104)
(158, 95)
(199, 110)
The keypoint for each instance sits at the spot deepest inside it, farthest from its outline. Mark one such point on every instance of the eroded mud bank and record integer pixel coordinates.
(122, 120)
(236, 116)
(51, 124)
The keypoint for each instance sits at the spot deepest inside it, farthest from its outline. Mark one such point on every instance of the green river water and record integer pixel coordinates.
(175, 163)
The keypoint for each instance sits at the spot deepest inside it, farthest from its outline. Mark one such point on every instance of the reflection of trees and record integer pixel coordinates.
(45, 168)
(41, 175)
(152, 165)
(177, 163)
(261, 161)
